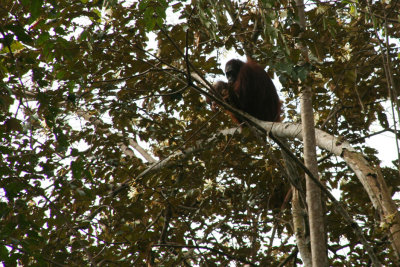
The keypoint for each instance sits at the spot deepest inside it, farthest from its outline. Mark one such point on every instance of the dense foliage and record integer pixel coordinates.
(82, 81)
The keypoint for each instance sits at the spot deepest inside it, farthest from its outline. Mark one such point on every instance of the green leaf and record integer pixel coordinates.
(44, 37)
(149, 19)
(4, 253)
(143, 5)
(36, 6)
(20, 33)
(160, 11)
(77, 168)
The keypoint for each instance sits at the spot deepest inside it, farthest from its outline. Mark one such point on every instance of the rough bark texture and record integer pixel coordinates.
(300, 228)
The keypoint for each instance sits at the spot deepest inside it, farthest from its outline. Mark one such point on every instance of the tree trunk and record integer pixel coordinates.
(299, 227)
(314, 202)
(313, 193)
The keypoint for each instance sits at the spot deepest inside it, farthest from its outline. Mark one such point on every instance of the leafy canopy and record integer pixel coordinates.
(81, 80)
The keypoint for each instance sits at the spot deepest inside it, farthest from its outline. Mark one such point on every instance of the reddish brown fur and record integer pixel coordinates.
(253, 91)
(221, 90)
